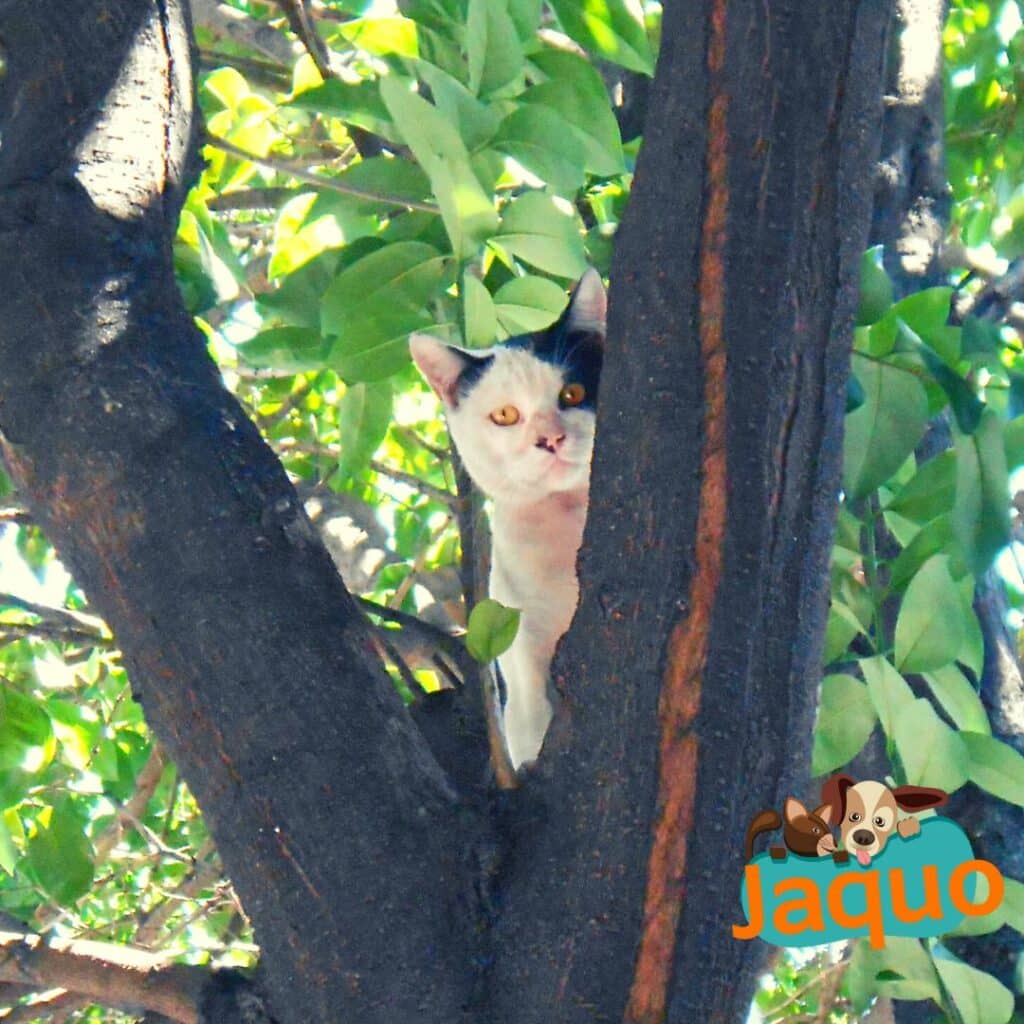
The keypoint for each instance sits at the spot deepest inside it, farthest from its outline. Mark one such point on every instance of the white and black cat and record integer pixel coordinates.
(522, 417)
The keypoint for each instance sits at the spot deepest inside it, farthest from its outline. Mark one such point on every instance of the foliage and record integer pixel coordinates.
(453, 166)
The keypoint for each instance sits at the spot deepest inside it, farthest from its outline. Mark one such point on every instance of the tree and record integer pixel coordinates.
(704, 571)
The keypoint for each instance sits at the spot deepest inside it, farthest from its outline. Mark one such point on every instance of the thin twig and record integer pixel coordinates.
(300, 18)
(250, 199)
(776, 1011)
(318, 180)
(429, 490)
(469, 515)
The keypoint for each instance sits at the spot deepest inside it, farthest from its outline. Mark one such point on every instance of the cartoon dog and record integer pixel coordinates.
(867, 812)
(804, 832)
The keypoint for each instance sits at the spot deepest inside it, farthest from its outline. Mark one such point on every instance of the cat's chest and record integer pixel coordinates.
(534, 556)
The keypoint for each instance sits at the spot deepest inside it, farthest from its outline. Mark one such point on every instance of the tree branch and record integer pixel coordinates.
(319, 180)
(229, 22)
(116, 976)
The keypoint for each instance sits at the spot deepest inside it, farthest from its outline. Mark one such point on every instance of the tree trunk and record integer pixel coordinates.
(689, 677)
(690, 673)
(249, 658)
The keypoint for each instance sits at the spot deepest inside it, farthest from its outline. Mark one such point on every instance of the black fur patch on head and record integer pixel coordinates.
(475, 368)
(577, 353)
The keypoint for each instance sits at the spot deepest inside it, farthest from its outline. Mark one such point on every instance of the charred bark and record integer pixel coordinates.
(689, 676)
(346, 842)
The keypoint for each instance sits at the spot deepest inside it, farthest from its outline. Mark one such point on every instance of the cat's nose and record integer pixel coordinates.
(552, 443)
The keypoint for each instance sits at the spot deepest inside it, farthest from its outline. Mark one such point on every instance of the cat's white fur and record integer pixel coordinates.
(539, 499)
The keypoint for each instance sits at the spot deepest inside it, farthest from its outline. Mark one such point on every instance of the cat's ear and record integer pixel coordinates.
(439, 363)
(588, 305)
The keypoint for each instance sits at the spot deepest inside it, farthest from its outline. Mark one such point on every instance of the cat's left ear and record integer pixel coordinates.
(439, 363)
(588, 304)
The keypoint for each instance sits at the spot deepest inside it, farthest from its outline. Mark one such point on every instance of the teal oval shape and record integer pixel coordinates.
(904, 891)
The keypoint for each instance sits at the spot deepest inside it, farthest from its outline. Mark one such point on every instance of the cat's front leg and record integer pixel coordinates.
(524, 668)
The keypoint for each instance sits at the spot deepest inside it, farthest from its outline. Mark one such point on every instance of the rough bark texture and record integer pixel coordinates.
(344, 839)
(732, 299)
(689, 677)
(912, 197)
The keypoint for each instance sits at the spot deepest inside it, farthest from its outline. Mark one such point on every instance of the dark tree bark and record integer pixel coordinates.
(249, 658)
(690, 673)
(376, 888)
(912, 197)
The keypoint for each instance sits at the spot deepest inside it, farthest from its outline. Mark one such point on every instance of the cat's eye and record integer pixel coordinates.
(572, 394)
(506, 416)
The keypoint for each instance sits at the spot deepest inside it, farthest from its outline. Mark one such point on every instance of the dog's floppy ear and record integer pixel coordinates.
(919, 798)
(833, 793)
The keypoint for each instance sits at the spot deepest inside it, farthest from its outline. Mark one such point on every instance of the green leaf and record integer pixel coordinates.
(929, 492)
(841, 628)
(60, 855)
(364, 415)
(925, 313)
(23, 723)
(541, 233)
(981, 518)
(885, 429)
(468, 212)
(979, 998)
(296, 300)
(612, 29)
(525, 14)
(479, 311)
(403, 276)
(875, 288)
(493, 50)
(980, 337)
(958, 698)
(901, 969)
(576, 91)
(529, 303)
(846, 717)
(972, 650)
(889, 691)
(382, 35)
(387, 182)
(357, 103)
(995, 766)
(1013, 443)
(932, 753)
(934, 538)
(289, 349)
(8, 851)
(374, 304)
(491, 630)
(475, 121)
(1013, 903)
(542, 141)
(929, 632)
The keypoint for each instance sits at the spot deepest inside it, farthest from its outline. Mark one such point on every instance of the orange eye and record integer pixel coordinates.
(572, 394)
(506, 416)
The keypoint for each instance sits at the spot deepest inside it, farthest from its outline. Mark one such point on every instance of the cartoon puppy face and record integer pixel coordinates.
(870, 812)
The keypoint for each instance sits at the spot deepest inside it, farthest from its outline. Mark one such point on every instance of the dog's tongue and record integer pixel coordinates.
(863, 858)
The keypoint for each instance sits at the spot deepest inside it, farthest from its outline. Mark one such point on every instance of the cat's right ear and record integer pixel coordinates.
(440, 365)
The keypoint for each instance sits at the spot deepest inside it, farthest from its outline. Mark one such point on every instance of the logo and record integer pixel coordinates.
(889, 874)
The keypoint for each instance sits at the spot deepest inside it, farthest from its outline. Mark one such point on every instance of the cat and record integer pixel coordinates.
(521, 415)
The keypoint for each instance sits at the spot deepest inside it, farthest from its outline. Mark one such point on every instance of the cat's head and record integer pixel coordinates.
(522, 413)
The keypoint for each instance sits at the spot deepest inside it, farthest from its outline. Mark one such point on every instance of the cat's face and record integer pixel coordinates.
(522, 413)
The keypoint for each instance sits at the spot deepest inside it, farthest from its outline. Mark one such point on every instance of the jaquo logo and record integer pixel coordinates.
(890, 873)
